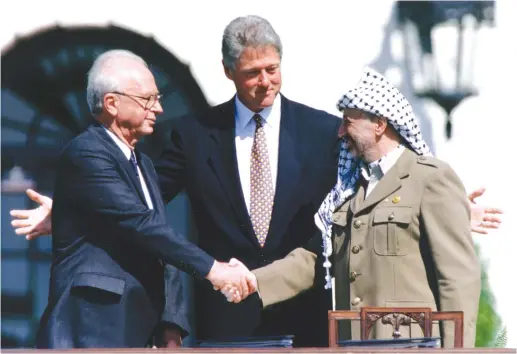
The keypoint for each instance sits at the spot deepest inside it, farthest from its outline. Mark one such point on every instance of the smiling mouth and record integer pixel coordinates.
(266, 93)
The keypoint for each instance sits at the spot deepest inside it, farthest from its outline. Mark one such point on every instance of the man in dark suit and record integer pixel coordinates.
(107, 284)
(214, 157)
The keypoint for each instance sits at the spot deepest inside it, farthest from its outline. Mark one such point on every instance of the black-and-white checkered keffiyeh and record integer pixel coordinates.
(376, 95)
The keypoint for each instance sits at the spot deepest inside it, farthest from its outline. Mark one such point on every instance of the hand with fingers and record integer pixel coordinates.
(35, 222)
(235, 277)
(483, 218)
(231, 292)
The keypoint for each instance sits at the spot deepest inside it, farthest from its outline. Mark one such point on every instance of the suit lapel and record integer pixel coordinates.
(121, 158)
(389, 183)
(288, 171)
(223, 160)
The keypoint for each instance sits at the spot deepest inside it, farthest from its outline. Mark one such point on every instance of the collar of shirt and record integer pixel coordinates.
(125, 149)
(380, 167)
(243, 115)
(127, 152)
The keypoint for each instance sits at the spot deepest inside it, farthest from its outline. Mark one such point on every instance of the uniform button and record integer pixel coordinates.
(356, 301)
(357, 224)
(356, 249)
(391, 216)
(353, 276)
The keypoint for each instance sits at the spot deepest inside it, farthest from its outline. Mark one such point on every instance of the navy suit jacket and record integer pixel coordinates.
(202, 160)
(107, 284)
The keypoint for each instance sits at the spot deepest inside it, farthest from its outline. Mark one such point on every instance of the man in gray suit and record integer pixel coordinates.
(397, 225)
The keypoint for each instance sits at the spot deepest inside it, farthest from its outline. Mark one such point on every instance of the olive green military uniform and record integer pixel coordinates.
(408, 244)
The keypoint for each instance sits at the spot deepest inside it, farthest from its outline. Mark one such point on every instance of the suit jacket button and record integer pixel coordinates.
(357, 223)
(356, 249)
(356, 301)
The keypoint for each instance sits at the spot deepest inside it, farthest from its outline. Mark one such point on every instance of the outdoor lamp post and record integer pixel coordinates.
(439, 44)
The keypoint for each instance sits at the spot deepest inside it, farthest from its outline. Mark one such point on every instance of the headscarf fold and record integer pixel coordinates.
(373, 94)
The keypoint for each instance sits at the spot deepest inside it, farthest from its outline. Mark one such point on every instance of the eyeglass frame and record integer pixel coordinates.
(158, 98)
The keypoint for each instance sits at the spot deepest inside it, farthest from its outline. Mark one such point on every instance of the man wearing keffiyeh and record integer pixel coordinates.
(395, 228)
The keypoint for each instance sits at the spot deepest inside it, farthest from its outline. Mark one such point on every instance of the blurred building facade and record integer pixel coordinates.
(45, 56)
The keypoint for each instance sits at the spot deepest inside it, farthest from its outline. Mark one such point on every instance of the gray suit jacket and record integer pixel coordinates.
(408, 244)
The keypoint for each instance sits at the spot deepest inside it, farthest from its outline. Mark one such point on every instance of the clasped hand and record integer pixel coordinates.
(233, 279)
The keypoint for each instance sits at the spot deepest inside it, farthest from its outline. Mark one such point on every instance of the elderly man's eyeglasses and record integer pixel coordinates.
(150, 101)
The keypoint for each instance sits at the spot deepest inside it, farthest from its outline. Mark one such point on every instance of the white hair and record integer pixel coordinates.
(101, 82)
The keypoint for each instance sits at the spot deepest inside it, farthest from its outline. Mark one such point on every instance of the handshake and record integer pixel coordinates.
(233, 279)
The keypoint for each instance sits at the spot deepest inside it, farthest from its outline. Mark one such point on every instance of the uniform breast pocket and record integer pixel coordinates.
(391, 231)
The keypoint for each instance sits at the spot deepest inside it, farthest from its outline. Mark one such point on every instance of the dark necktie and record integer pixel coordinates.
(134, 164)
(261, 183)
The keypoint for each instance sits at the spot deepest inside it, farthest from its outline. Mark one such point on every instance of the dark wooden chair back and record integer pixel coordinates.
(396, 316)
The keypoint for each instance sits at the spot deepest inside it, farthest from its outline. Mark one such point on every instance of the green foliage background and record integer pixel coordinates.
(489, 330)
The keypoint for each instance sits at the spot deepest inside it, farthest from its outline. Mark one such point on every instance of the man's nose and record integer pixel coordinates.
(157, 108)
(264, 78)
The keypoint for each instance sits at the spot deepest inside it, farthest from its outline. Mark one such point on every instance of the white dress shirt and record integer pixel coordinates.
(244, 134)
(127, 152)
(377, 169)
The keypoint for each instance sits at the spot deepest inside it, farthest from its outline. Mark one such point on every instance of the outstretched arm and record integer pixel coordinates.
(279, 281)
(117, 209)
